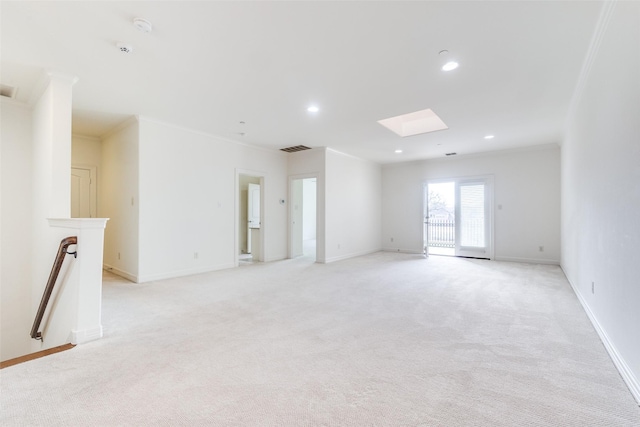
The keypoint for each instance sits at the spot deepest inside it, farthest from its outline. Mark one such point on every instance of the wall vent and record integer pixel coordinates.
(295, 148)
(450, 154)
(8, 91)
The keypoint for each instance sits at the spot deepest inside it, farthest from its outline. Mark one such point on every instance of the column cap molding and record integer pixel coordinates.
(78, 223)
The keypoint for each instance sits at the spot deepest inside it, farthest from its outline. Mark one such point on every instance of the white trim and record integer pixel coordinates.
(592, 52)
(85, 335)
(333, 150)
(404, 251)
(182, 273)
(490, 153)
(528, 260)
(89, 137)
(78, 223)
(625, 372)
(210, 135)
(276, 258)
(121, 273)
(120, 126)
(351, 255)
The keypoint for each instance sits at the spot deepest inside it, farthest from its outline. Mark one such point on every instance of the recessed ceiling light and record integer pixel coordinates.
(489, 137)
(451, 65)
(414, 123)
(313, 109)
(398, 151)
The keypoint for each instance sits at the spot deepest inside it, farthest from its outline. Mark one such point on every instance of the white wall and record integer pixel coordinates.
(526, 185)
(188, 200)
(353, 201)
(15, 229)
(118, 199)
(86, 151)
(601, 191)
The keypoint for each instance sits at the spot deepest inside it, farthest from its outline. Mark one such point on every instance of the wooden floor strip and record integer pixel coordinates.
(36, 355)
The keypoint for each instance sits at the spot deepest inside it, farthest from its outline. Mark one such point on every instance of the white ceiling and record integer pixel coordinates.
(210, 65)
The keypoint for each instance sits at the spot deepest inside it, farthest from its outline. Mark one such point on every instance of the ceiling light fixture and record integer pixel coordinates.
(142, 25)
(489, 137)
(450, 65)
(398, 151)
(313, 109)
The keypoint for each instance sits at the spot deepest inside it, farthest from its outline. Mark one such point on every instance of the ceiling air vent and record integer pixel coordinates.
(295, 148)
(450, 154)
(8, 91)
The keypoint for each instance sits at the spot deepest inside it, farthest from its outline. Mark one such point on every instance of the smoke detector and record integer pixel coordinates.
(124, 47)
(142, 25)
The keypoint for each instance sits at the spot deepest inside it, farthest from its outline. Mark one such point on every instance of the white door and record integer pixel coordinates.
(473, 219)
(253, 205)
(81, 183)
(253, 215)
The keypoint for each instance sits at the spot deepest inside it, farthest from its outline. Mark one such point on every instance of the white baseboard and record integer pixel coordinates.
(85, 335)
(120, 273)
(181, 273)
(404, 251)
(528, 260)
(351, 255)
(625, 372)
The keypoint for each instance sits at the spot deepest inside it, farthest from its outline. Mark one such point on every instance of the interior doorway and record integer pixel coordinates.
(84, 199)
(458, 217)
(303, 214)
(250, 218)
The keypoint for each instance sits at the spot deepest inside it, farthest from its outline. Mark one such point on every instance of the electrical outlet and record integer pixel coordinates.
(195, 255)
(392, 240)
(118, 255)
(593, 287)
(541, 248)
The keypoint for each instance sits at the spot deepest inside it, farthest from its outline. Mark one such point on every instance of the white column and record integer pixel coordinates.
(84, 301)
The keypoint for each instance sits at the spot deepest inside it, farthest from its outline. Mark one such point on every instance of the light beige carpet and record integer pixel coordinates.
(380, 340)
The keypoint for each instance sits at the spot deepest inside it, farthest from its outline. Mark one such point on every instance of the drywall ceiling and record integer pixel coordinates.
(210, 65)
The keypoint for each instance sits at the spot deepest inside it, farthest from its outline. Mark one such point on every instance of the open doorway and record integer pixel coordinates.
(458, 217)
(250, 225)
(440, 232)
(303, 214)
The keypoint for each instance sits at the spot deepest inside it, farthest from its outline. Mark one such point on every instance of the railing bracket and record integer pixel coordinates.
(74, 253)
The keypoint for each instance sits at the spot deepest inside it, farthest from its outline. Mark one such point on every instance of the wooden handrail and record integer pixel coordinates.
(53, 277)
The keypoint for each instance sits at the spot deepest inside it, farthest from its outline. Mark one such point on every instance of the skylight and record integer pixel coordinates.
(423, 121)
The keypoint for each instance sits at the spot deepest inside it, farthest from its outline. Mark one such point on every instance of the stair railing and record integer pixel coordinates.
(53, 277)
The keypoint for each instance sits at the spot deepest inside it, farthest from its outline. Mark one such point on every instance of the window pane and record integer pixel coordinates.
(472, 215)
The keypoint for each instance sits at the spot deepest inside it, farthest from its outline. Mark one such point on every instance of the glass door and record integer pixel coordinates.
(473, 218)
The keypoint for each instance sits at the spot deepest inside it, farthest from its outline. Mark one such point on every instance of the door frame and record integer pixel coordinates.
(290, 212)
(489, 203)
(263, 224)
(93, 187)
